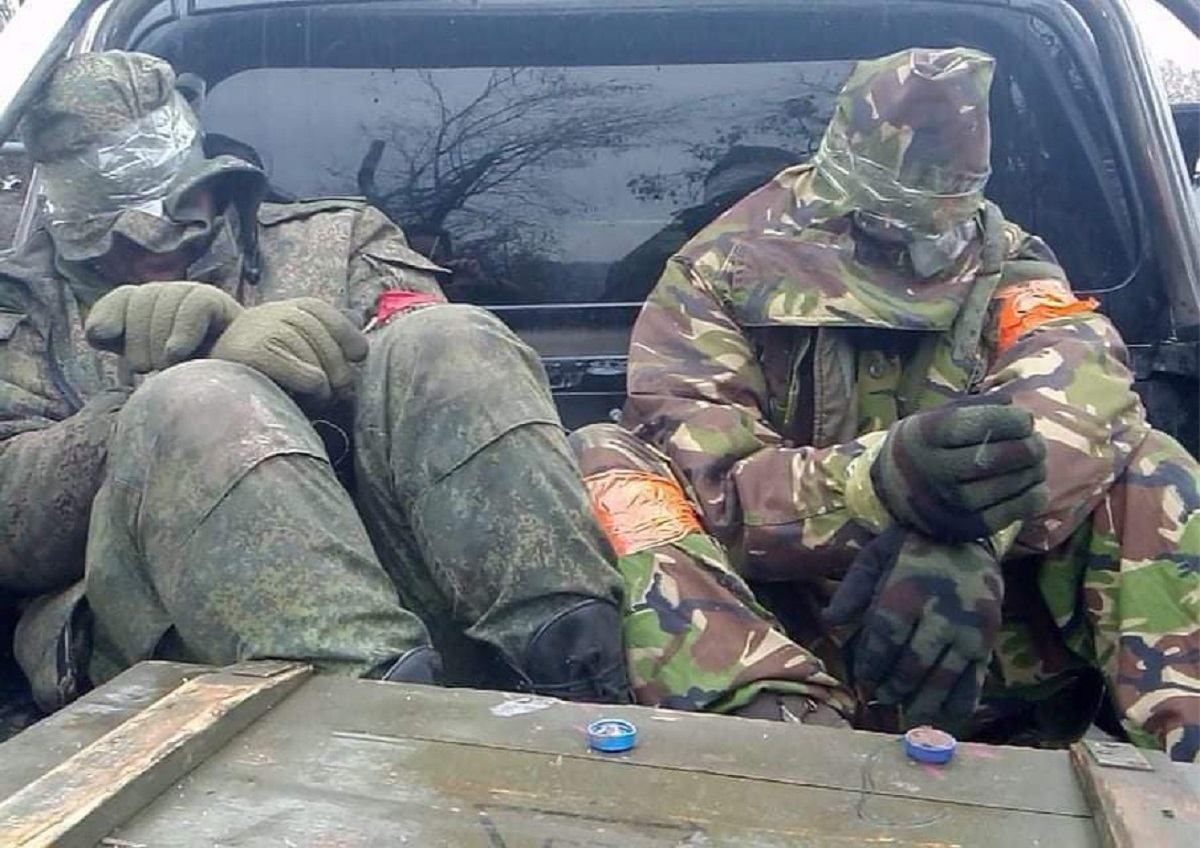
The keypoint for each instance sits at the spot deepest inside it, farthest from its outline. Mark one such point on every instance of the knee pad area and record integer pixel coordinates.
(204, 389)
(219, 415)
(449, 330)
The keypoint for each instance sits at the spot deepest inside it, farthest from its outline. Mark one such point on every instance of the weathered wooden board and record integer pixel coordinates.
(1139, 798)
(52, 740)
(79, 801)
(353, 763)
(349, 763)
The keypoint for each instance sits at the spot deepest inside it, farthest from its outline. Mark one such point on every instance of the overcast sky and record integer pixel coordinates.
(1165, 36)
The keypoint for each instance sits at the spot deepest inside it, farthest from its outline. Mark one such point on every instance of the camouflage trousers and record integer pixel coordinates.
(222, 532)
(695, 636)
(1122, 597)
(1119, 603)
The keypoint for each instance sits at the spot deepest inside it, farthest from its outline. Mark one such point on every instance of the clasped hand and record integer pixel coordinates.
(304, 345)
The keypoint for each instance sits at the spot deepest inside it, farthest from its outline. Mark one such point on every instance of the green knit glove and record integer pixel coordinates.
(304, 345)
(932, 616)
(157, 325)
(963, 471)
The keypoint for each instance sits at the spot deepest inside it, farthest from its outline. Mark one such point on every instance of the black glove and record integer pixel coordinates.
(932, 615)
(964, 470)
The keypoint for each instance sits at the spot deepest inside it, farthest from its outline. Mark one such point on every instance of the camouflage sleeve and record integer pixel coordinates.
(381, 260)
(632, 276)
(1069, 367)
(51, 463)
(697, 392)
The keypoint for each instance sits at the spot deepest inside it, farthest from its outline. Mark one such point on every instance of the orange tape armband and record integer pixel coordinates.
(639, 510)
(1028, 305)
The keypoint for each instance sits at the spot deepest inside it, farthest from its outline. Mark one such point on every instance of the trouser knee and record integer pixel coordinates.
(458, 356)
(208, 406)
(440, 385)
(189, 433)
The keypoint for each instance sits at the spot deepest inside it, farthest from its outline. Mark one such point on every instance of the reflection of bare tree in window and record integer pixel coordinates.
(497, 142)
(794, 120)
(483, 161)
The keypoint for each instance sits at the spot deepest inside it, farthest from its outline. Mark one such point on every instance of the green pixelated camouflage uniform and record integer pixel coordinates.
(776, 351)
(205, 517)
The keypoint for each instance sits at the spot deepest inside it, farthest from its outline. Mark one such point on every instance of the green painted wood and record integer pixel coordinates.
(78, 802)
(1158, 806)
(1004, 777)
(52, 740)
(357, 763)
(345, 763)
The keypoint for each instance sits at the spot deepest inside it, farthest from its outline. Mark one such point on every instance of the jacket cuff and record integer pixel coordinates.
(862, 501)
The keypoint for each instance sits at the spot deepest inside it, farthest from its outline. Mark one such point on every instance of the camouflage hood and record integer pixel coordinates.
(119, 151)
(909, 142)
(906, 152)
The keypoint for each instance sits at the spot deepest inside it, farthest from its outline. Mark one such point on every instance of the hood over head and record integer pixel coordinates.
(908, 145)
(119, 152)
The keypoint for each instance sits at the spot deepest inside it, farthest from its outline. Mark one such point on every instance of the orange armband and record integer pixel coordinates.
(638, 510)
(1026, 306)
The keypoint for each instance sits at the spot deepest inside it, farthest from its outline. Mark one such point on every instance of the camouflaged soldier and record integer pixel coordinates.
(883, 400)
(203, 509)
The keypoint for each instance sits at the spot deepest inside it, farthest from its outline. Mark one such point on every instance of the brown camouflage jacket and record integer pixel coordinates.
(57, 394)
(772, 356)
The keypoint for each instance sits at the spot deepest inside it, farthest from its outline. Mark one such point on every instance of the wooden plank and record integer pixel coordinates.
(1004, 777)
(39, 748)
(384, 764)
(270, 788)
(1140, 798)
(82, 799)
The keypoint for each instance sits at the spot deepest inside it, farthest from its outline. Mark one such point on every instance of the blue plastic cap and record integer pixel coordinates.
(929, 745)
(611, 735)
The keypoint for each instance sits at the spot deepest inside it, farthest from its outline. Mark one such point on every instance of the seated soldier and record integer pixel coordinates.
(873, 387)
(197, 514)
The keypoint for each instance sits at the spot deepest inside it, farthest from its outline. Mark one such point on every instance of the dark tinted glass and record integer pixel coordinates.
(570, 132)
(553, 153)
(534, 184)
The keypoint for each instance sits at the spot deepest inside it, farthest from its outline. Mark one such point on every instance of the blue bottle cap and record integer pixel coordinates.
(611, 735)
(929, 745)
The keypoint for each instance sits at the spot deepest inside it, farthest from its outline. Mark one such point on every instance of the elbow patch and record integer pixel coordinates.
(1023, 307)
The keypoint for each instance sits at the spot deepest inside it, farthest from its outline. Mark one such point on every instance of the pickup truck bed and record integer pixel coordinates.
(265, 754)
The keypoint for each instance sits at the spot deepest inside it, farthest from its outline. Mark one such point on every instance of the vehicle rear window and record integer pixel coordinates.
(534, 185)
(552, 153)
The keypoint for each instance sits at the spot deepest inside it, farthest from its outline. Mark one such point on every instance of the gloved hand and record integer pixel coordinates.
(931, 621)
(157, 325)
(304, 345)
(964, 470)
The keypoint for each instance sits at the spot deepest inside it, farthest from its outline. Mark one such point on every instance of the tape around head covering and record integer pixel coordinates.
(909, 140)
(120, 153)
(133, 169)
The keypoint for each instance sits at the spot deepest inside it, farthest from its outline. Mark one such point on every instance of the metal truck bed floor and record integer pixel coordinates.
(265, 754)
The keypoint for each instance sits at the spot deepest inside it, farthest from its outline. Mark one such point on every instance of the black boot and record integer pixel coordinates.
(420, 665)
(578, 656)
